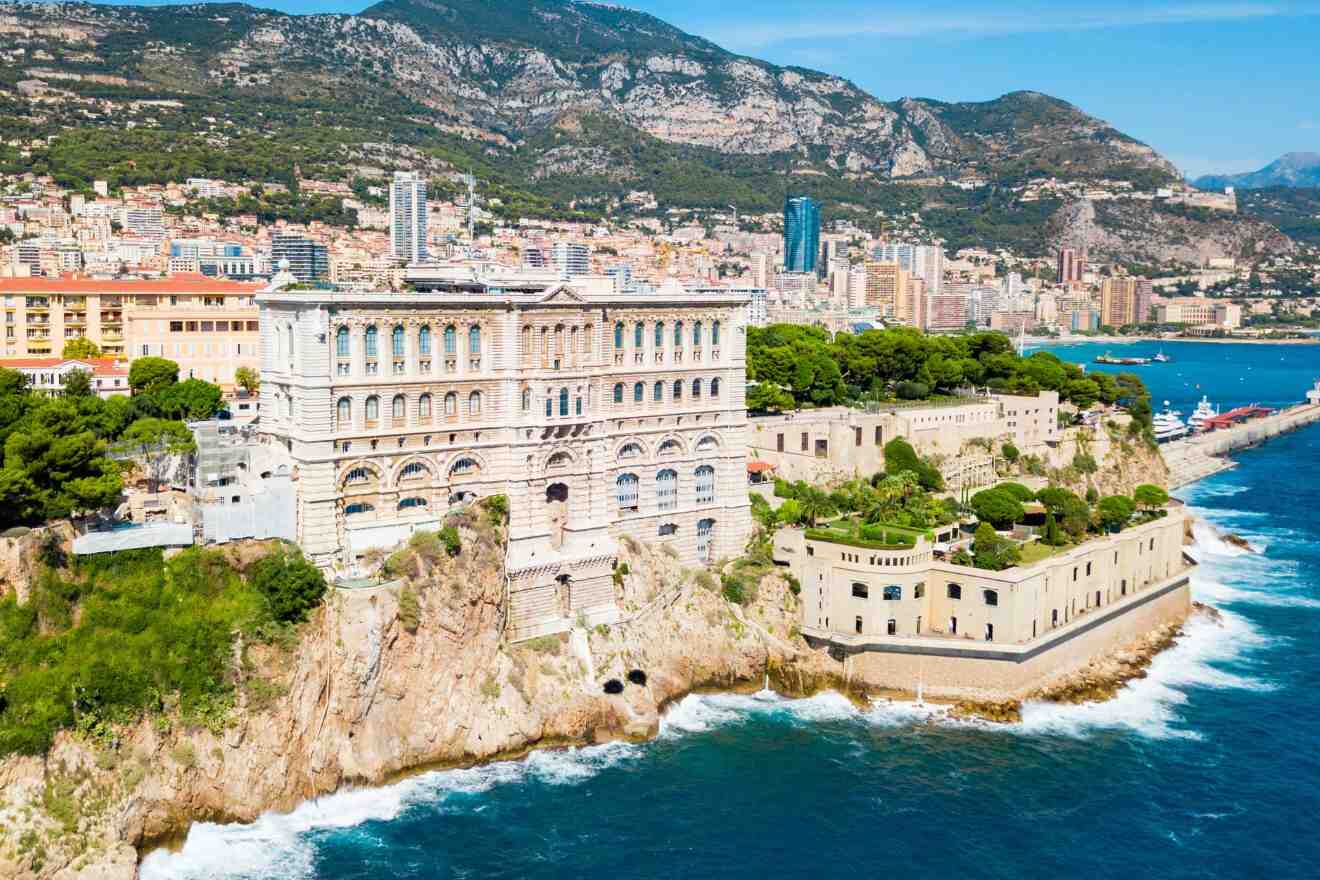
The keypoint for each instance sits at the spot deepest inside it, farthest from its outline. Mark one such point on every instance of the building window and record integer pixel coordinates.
(893, 593)
(805, 441)
(658, 392)
(678, 333)
(715, 333)
(678, 390)
(424, 340)
(667, 529)
(618, 335)
(639, 392)
(424, 407)
(630, 450)
(955, 591)
(474, 403)
(918, 592)
(396, 342)
(639, 337)
(526, 399)
(451, 404)
(626, 491)
(358, 508)
(413, 471)
(345, 411)
(474, 341)
(563, 401)
(406, 503)
(705, 478)
(549, 407)
(696, 333)
(373, 409)
(669, 447)
(451, 340)
(715, 387)
(891, 628)
(371, 342)
(659, 335)
(618, 392)
(464, 466)
(341, 342)
(356, 475)
(707, 443)
(705, 539)
(860, 591)
(577, 405)
(991, 597)
(666, 489)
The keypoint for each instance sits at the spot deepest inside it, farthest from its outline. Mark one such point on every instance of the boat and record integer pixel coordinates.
(1108, 358)
(1203, 411)
(1168, 425)
(1161, 357)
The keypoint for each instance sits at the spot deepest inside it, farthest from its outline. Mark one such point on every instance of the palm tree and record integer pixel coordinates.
(815, 504)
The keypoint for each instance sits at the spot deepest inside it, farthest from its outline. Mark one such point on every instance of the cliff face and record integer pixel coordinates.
(370, 692)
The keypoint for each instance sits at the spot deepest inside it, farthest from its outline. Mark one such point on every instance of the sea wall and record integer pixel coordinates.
(1194, 458)
(984, 671)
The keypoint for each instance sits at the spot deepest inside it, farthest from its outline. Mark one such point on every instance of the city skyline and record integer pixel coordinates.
(1173, 76)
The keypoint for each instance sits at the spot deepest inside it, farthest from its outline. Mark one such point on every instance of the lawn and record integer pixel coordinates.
(1036, 551)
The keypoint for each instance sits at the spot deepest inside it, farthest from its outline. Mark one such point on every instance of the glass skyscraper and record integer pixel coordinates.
(801, 234)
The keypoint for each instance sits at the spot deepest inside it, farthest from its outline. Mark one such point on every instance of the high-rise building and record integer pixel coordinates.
(949, 310)
(762, 269)
(1071, 265)
(922, 261)
(801, 234)
(910, 303)
(408, 217)
(1145, 301)
(1118, 301)
(570, 259)
(308, 261)
(885, 282)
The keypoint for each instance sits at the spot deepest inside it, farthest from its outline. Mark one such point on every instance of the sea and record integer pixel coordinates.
(1209, 767)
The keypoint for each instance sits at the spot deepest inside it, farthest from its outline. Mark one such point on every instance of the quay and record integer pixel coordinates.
(1195, 458)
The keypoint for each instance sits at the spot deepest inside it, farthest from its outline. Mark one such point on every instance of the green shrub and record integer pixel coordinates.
(449, 537)
(497, 509)
(1010, 453)
(184, 755)
(1084, 463)
(1147, 495)
(1017, 490)
(997, 507)
(410, 608)
(735, 589)
(291, 584)
(1115, 511)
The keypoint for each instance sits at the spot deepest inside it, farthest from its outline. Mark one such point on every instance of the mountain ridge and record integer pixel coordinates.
(1297, 169)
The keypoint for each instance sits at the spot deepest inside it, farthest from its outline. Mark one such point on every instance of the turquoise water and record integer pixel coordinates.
(1207, 768)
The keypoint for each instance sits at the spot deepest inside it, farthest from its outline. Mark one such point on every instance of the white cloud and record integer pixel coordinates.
(839, 24)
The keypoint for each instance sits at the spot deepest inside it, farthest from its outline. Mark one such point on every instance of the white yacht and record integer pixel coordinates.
(1203, 411)
(1161, 357)
(1168, 425)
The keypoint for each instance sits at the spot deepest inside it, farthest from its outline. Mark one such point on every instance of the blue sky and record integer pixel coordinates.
(1215, 85)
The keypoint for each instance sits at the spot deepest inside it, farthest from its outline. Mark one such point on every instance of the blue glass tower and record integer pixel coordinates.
(801, 234)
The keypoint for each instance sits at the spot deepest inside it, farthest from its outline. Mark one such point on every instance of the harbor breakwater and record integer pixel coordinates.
(1195, 458)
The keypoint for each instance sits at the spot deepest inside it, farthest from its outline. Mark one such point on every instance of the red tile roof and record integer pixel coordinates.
(183, 282)
(100, 366)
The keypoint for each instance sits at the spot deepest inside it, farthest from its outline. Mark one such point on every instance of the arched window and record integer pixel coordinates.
(715, 333)
(669, 447)
(678, 389)
(405, 503)
(639, 392)
(424, 340)
(618, 335)
(357, 475)
(370, 341)
(464, 466)
(696, 333)
(527, 343)
(705, 539)
(563, 401)
(451, 404)
(424, 407)
(715, 387)
(954, 591)
(399, 407)
(658, 392)
(359, 507)
(618, 392)
(991, 597)
(705, 477)
(707, 443)
(344, 410)
(526, 399)
(625, 490)
(893, 593)
(666, 489)
(630, 450)
(451, 340)
(678, 333)
(341, 342)
(474, 340)
(559, 459)
(474, 403)
(638, 335)
(696, 389)
(586, 338)
(396, 342)
(373, 408)
(659, 335)
(413, 470)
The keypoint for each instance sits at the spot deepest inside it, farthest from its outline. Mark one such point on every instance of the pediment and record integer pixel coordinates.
(563, 294)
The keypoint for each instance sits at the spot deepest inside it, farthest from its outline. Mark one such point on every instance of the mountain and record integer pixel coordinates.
(1290, 169)
(560, 108)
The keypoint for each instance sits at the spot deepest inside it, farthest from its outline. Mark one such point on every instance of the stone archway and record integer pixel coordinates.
(556, 501)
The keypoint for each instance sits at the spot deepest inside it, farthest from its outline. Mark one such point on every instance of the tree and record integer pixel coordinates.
(247, 379)
(912, 390)
(769, 397)
(1010, 453)
(192, 399)
(157, 444)
(998, 508)
(1115, 511)
(1052, 534)
(80, 348)
(900, 457)
(1072, 513)
(1017, 490)
(78, 383)
(1150, 496)
(815, 504)
(148, 375)
(292, 585)
(992, 552)
(1085, 463)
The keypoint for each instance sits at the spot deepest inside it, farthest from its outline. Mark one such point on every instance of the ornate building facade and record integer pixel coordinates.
(598, 415)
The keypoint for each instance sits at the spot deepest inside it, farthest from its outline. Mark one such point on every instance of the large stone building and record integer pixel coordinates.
(598, 415)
